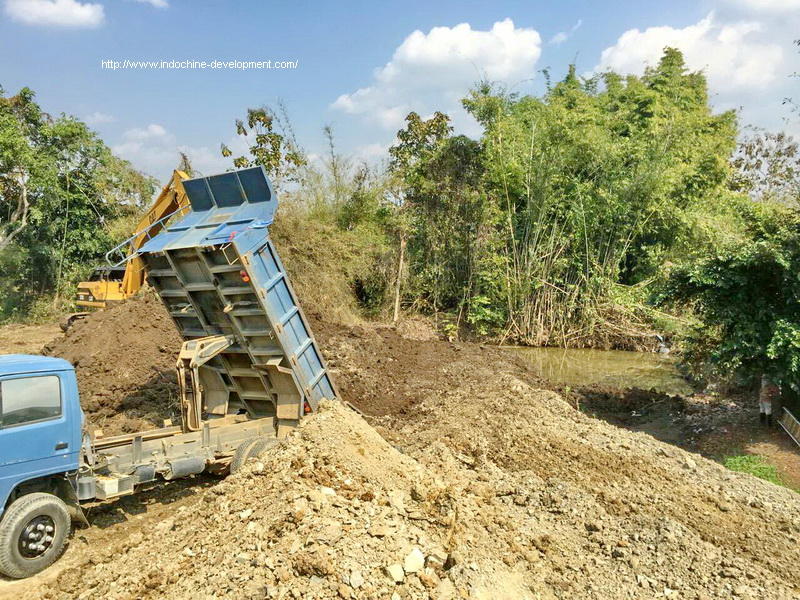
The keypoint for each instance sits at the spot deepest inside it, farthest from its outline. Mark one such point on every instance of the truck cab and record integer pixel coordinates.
(40, 447)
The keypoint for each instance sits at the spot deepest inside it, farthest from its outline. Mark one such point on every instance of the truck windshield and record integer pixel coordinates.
(29, 399)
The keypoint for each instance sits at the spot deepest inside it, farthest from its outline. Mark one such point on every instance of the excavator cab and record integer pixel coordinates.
(103, 288)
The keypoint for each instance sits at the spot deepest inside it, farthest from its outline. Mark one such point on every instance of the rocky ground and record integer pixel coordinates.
(466, 479)
(543, 503)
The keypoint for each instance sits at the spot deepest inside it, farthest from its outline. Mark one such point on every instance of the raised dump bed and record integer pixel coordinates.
(219, 274)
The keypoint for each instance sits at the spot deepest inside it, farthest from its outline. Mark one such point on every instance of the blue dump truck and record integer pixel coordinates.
(249, 370)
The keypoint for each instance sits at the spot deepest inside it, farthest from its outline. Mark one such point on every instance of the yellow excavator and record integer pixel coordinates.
(108, 285)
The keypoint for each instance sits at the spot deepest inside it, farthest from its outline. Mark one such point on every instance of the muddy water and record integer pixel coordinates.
(613, 368)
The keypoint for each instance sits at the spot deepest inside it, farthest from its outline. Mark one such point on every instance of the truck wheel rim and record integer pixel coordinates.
(37, 537)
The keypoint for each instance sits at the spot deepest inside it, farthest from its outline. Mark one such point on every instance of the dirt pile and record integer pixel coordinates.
(496, 490)
(474, 484)
(124, 358)
(385, 371)
(627, 515)
(335, 512)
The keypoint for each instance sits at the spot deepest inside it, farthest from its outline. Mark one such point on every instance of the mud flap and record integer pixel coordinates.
(68, 494)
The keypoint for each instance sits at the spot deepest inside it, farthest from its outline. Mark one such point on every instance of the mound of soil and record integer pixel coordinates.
(473, 483)
(124, 358)
(500, 491)
(388, 371)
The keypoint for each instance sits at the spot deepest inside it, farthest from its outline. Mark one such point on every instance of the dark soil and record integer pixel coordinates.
(125, 362)
(382, 372)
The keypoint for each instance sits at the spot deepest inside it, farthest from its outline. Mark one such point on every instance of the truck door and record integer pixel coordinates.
(35, 431)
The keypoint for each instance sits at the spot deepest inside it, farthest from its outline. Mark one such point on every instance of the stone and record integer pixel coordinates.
(397, 501)
(436, 560)
(395, 572)
(593, 526)
(380, 530)
(428, 579)
(356, 579)
(245, 514)
(414, 561)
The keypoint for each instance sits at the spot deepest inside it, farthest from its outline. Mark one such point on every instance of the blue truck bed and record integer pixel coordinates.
(218, 273)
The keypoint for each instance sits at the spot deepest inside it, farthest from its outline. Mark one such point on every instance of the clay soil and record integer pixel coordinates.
(465, 478)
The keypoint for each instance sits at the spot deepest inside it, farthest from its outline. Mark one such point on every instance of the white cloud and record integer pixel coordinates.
(59, 13)
(733, 56)
(768, 6)
(563, 36)
(155, 150)
(98, 118)
(433, 71)
(156, 3)
(371, 153)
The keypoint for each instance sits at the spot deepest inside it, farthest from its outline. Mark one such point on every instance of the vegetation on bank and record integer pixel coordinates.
(754, 465)
(601, 213)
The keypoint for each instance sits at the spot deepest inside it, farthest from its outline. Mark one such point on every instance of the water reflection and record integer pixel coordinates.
(613, 368)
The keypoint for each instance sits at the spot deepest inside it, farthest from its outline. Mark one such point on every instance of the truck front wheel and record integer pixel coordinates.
(33, 533)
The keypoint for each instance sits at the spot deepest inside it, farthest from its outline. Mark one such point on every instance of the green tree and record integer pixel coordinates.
(597, 184)
(62, 190)
(447, 220)
(746, 297)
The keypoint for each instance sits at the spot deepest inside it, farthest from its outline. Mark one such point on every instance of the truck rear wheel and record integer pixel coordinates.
(33, 533)
(242, 454)
(258, 448)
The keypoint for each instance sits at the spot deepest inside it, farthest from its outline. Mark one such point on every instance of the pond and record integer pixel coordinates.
(612, 368)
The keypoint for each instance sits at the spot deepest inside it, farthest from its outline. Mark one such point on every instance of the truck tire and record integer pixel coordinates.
(33, 533)
(242, 454)
(258, 448)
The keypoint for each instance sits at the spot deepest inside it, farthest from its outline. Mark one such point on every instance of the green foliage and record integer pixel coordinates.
(746, 296)
(450, 221)
(754, 465)
(567, 197)
(61, 190)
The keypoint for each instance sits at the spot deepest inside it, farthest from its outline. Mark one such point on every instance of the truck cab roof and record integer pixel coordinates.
(17, 364)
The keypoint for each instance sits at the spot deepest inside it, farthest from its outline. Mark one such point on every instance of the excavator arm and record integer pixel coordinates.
(170, 201)
(118, 282)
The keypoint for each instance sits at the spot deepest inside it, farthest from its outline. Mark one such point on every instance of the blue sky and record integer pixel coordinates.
(362, 65)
